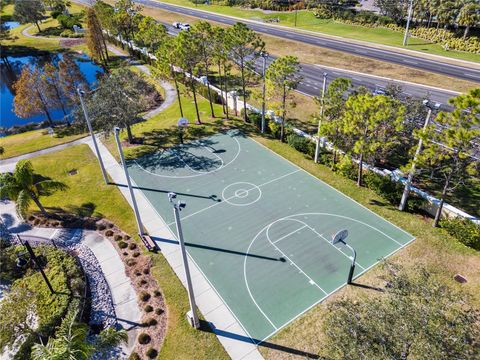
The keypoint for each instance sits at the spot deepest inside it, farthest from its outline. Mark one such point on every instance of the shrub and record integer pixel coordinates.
(150, 322)
(117, 237)
(122, 245)
(152, 353)
(384, 186)
(67, 21)
(66, 33)
(55, 13)
(148, 308)
(301, 144)
(136, 254)
(144, 338)
(465, 231)
(146, 271)
(347, 168)
(142, 282)
(125, 253)
(134, 356)
(144, 296)
(108, 233)
(110, 225)
(159, 311)
(157, 293)
(274, 129)
(130, 262)
(132, 246)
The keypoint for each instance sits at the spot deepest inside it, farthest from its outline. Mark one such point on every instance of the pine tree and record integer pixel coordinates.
(94, 38)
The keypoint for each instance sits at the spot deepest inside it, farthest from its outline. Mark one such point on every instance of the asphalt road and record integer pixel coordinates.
(312, 81)
(437, 66)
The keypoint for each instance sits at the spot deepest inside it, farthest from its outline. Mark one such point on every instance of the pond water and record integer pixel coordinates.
(9, 74)
(11, 24)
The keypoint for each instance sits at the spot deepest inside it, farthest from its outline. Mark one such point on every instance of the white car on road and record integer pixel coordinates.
(181, 26)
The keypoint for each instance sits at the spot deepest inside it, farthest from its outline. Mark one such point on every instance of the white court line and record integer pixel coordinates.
(336, 190)
(310, 280)
(234, 196)
(174, 236)
(291, 233)
(335, 290)
(191, 176)
(340, 250)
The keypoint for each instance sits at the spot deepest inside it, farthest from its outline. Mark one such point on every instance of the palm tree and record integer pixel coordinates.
(70, 342)
(24, 186)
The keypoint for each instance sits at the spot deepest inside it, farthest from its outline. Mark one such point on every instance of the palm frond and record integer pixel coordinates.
(22, 203)
(23, 173)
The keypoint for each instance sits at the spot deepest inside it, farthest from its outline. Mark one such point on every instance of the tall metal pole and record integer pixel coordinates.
(116, 130)
(410, 10)
(176, 211)
(35, 260)
(264, 69)
(322, 101)
(352, 266)
(408, 184)
(94, 140)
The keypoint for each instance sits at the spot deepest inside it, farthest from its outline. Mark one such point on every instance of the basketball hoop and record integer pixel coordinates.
(340, 236)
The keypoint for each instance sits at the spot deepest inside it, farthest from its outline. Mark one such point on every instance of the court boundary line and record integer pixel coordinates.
(336, 190)
(305, 225)
(231, 197)
(239, 150)
(196, 265)
(335, 290)
(312, 282)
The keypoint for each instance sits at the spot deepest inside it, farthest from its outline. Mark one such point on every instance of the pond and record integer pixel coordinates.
(11, 24)
(9, 74)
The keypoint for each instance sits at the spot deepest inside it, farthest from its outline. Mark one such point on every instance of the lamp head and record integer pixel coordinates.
(80, 91)
(171, 196)
(116, 129)
(182, 205)
(426, 102)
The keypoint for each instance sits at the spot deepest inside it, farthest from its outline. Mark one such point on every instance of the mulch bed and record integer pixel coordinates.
(137, 267)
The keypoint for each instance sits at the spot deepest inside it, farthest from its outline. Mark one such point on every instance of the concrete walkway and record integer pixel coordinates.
(229, 331)
(127, 312)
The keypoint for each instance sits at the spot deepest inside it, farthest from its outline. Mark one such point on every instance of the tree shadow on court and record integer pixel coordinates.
(178, 158)
(213, 197)
(228, 251)
(210, 327)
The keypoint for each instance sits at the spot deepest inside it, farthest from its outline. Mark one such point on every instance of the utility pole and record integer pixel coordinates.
(264, 69)
(409, 18)
(322, 101)
(408, 184)
(116, 131)
(177, 207)
(81, 93)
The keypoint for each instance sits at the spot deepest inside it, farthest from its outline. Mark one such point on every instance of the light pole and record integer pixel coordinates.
(35, 260)
(116, 131)
(177, 207)
(410, 10)
(264, 69)
(408, 184)
(340, 237)
(322, 101)
(94, 140)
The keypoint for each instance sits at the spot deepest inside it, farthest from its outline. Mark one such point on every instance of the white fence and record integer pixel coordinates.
(232, 101)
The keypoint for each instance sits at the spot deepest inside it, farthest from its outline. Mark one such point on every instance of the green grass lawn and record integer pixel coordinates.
(30, 141)
(307, 21)
(181, 342)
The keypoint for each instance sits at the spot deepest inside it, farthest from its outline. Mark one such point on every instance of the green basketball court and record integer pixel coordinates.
(259, 227)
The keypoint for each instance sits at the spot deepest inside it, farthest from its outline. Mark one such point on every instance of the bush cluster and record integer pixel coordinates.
(301, 144)
(465, 231)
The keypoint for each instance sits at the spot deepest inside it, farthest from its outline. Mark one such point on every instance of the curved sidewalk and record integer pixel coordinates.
(124, 297)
